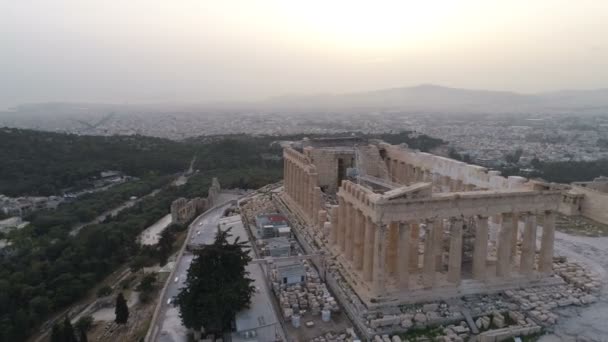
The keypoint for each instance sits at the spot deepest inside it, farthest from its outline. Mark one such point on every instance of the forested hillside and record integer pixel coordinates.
(43, 163)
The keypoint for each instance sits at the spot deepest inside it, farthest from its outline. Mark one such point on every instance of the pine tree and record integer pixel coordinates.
(56, 333)
(121, 310)
(217, 286)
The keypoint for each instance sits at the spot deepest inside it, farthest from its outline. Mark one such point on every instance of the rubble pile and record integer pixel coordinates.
(577, 276)
(418, 316)
(538, 302)
(299, 299)
(480, 305)
(257, 205)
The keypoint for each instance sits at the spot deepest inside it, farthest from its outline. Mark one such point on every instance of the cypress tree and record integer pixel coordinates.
(83, 336)
(56, 333)
(68, 331)
(121, 310)
(217, 286)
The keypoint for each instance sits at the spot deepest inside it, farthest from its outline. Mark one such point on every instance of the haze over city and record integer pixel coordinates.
(200, 51)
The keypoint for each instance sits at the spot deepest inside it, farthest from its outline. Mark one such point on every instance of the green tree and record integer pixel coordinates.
(165, 244)
(68, 331)
(121, 310)
(217, 286)
(104, 291)
(56, 333)
(147, 283)
(84, 323)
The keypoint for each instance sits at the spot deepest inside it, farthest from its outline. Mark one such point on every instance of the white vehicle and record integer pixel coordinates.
(176, 279)
(169, 301)
(198, 232)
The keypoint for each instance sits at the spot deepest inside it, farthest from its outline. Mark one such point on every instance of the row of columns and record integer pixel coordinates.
(301, 184)
(379, 250)
(403, 173)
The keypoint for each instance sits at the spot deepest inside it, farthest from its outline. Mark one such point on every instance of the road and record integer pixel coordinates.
(111, 212)
(168, 326)
(151, 235)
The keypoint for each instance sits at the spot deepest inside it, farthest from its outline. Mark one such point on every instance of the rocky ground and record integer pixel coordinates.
(587, 323)
(578, 225)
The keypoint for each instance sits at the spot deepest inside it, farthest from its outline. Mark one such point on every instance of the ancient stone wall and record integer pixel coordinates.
(593, 204)
(474, 175)
(326, 163)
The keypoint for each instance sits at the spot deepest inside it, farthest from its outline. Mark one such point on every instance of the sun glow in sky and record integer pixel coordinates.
(370, 24)
(204, 50)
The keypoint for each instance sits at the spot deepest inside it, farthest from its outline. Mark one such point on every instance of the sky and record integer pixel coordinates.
(145, 51)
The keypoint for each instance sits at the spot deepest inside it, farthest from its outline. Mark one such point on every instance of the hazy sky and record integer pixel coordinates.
(203, 50)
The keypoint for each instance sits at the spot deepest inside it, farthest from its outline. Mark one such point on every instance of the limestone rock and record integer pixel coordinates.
(420, 318)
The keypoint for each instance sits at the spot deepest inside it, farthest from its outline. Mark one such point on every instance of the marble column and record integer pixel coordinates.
(414, 236)
(455, 261)
(298, 185)
(545, 265)
(378, 281)
(359, 231)
(368, 249)
(528, 247)
(438, 234)
(342, 224)
(391, 247)
(308, 205)
(503, 255)
(403, 255)
(514, 235)
(394, 176)
(285, 174)
(349, 232)
(409, 174)
(333, 233)
(402, 173)
(302, 188)
(480, 250)
(429, 265)
(288, 177)
(321, 218)
(292, 180)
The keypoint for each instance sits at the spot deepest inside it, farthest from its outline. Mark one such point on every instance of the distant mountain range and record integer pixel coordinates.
(425, 98)
(434, 98)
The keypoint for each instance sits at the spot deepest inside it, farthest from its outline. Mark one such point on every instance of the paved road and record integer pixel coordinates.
(169, 322)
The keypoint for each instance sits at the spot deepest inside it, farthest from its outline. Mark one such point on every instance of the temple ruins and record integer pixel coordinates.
(406, 226)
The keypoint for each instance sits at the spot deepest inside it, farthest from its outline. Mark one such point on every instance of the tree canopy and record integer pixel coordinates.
(217, 286)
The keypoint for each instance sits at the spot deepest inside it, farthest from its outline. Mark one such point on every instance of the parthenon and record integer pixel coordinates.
(410, 226)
